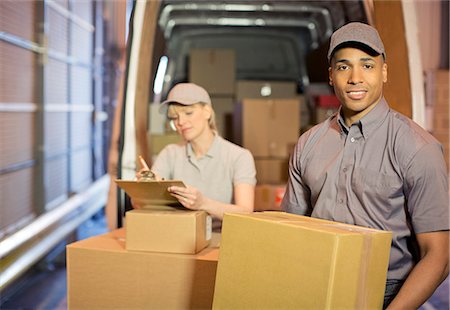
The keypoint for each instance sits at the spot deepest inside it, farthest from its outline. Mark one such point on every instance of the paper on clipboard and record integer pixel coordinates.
(154, 191)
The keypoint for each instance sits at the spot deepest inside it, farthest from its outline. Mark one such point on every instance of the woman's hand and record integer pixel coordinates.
(189, 196)
(147, 175)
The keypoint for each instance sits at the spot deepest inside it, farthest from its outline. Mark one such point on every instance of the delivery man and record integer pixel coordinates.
(368, 165)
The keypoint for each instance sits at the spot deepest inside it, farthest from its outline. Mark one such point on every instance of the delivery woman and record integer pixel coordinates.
(220, 176)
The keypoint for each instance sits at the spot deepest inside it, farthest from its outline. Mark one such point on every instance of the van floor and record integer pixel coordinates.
(44, 287)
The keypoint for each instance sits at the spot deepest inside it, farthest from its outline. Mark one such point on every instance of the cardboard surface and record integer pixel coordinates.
(213, 69)
(269, 197)
(286, 261)
(155, 192)
(176, 231)
(268, 127)
(223, 108)
(159, 141)
(272, 170)
(102, 274)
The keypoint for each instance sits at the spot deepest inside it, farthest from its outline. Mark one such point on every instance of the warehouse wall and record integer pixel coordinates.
(52, 105)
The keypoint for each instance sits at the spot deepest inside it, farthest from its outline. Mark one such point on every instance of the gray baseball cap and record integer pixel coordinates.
(358, 35)
(185, 94)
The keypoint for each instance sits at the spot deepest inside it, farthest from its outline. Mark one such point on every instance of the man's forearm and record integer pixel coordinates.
(423, 280)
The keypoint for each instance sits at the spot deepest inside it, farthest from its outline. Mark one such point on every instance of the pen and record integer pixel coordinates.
(143, 163)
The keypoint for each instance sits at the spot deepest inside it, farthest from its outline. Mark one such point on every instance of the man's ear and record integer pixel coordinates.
(330, 77)
(385, 75)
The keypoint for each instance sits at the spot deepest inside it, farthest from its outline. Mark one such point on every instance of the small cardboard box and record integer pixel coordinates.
(268, 127)
(102, 274)
(286, 261)
(269, 197)
(176, 231)
(213, 69)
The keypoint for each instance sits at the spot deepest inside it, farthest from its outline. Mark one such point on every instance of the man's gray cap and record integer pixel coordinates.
(356, 34)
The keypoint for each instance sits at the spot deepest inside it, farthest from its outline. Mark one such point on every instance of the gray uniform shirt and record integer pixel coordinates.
(223, 166)
(383, 172)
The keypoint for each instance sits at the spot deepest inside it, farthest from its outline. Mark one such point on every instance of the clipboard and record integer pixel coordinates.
(155, 192)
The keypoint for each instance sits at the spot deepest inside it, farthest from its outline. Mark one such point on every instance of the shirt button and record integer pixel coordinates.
(345, 169)
(352, 139)
(341, 200)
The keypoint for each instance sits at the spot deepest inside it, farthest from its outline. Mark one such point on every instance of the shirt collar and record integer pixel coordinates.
(369, 122)
(212, 151)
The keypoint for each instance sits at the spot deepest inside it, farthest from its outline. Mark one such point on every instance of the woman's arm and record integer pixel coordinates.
(192, 198)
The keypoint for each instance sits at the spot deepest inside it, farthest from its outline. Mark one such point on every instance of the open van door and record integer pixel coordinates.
(275, 40)
(129, 136)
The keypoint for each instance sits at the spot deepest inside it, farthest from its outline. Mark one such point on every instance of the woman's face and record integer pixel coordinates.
(190, 121)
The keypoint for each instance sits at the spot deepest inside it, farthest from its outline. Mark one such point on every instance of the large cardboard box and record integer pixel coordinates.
(159, 141)
(102, 274)
(269, 196)
(272, 170)
(265, 89)
(213, 69)
(176, 231)
(286, 261)
(268, 127)
(224, 107)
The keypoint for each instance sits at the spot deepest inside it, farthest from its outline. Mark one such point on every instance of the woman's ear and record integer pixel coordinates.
(207, 110)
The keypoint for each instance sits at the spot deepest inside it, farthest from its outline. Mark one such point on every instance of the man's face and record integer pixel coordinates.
(358, 80)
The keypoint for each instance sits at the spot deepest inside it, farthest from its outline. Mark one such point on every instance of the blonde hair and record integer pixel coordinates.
(174, 108)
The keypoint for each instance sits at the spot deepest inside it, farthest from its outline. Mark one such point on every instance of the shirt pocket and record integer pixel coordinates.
(376, 190)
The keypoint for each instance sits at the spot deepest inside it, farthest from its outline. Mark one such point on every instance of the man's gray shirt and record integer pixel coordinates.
(383, 172)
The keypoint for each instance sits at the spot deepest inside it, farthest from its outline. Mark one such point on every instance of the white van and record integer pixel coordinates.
(262, 43)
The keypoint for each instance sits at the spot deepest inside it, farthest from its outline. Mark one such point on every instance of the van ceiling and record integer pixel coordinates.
(271, 38)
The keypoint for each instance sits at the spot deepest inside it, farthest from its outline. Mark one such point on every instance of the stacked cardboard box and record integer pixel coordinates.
(326, 105)
(269, 196)
(438, 99)
(176, 231)
(103, 274)
(269, 128)
(159, 141)
(275, 260)
(214, 70)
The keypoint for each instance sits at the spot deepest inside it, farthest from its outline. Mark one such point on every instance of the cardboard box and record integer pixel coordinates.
(102, 274)
(223, 108)
(286, 261)
(177, 231)
(160, 141)
(265, 89)
(272, 170)
(268, 127)
(269, 197)
(213, 69)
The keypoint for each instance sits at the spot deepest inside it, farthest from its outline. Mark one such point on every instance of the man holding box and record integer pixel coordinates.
(370, 166)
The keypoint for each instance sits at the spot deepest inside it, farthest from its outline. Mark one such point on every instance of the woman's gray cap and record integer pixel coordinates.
(185, 94)
(353, 35)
